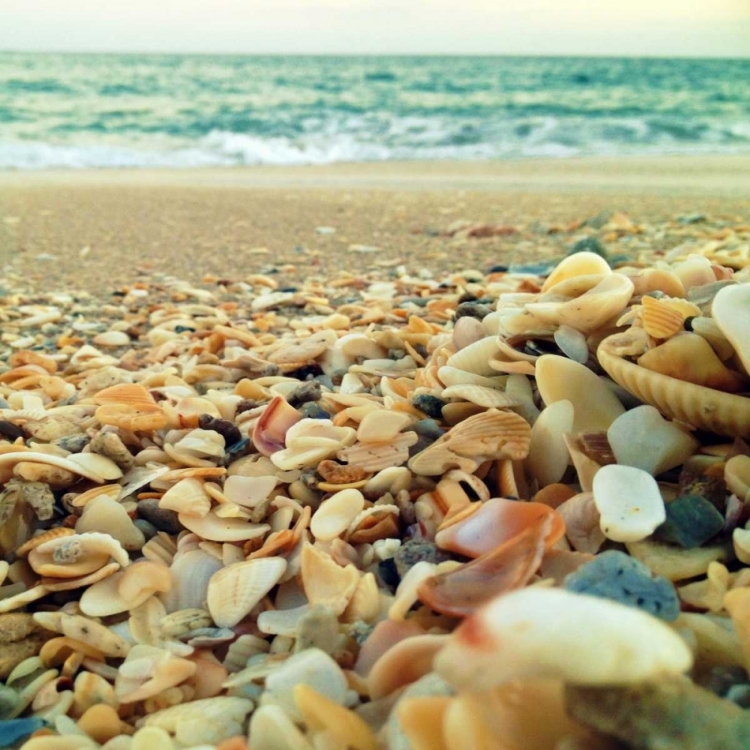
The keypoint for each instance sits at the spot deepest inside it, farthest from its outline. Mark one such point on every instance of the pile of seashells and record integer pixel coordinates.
(499, 511)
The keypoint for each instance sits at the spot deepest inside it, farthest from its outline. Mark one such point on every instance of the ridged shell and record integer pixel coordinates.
(660, 319)
(132, 394)
(477, 394)
(701, 407)
(234, 590)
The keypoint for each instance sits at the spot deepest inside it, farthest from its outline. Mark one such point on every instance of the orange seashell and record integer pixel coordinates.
(660, 319)
(130, 418)
(29, 357)
(45, 536)
(691, 358)
(462, 591)
(421, 719)
(554, 495)
(496, 522)
(130, 394)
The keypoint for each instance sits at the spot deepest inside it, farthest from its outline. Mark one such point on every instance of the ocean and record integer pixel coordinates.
(87, 110)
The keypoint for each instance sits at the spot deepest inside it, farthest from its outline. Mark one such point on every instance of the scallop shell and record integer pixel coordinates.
(132, 394)
(661, 319)
(234, 590)
(477, 394)
(701, 407)
(486, 436)
(475, 357)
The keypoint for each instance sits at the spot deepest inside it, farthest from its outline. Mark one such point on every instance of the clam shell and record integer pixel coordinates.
(701, 407)
(132, 394)
(731, 311)
(234, 590)
(380, 425)
(105, 515)
(187, 496)
(662, 320)
(191, 572)
(578, 264)
(77, 555)
(537, 632)
(217, 529)
(333, 516)
(548, 455)
(595, 407)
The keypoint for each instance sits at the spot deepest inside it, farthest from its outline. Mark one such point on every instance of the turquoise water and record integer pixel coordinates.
(190, 110)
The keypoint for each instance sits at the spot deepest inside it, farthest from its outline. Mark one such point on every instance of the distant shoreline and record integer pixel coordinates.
(669, 175)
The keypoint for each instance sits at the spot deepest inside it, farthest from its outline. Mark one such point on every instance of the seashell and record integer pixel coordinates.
(689, 357)
(536, 632)
(68, 584)
(701, 407)
(126, 589)
(322, 714)
(78, 467)
(236, 589)
(147, 671)
(677, 564)
(582, 523)
(595, 407)
(629, 503)
(249, 492)
(191, 572)
(77, 555)
(648, 280)
(579, 264)
(475, 357)
(731, 311)
(229, 711)
(481, 396)
(9, 603)
(373, 457)
(466, 331)
(188, 496)
(453, 376)
(312, 667)
(217, 529)
(127, 417)
(489, 435)
(548, 455)
(45, 536)
(572, 343)
(662, 320)
(403, 663)
(694, 271)
(509, 566)
(130, 394)
(495, 522)
(325, 582)
(379, 425)
(272, 729)
(310, 441)
(737, 476)
(709, 329)
(105, 515)
(420, 721)
(270, 430)
(86, 630)
(336, 513)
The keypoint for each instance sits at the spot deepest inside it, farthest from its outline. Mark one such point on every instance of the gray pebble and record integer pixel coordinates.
(162, 518)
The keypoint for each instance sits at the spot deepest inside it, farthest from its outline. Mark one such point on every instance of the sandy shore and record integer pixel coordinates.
(101, 230)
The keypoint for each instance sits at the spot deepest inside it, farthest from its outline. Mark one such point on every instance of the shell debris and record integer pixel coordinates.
(380, 508)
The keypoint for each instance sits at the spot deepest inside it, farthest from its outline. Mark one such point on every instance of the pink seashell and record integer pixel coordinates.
(385, 635)
(270, 430)
(496, 522)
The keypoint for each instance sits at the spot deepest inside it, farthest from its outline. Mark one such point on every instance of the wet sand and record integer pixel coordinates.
(101, 230)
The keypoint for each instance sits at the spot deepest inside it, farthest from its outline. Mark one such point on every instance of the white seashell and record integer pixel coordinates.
(140, 476)
(216, 529)
(578, 264)
(731, 311)
(595, 406)
(629, 502)
(272, 729)
(106, 515)
(248, 491)
(96, 464)
(191, 572)
(112, 338)
(642, 438)
(572, 343)
(79, 467)
(477, 394)
(453, 376)
(380, 425)
(475, 357)
(538, 632)
(333, 516)
(187, 496)
(282, 621)
(548, 455)
(234, 590)
(311, 667)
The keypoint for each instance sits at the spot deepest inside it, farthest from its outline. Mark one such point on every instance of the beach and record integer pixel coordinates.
(100, 230)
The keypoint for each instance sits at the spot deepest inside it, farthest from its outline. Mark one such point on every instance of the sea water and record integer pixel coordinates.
(81, 110)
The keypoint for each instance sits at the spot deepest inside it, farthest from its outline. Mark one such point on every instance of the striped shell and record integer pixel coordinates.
(705, 408)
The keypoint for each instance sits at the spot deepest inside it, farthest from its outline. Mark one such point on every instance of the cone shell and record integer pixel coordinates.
(701, 407)
(234, 590)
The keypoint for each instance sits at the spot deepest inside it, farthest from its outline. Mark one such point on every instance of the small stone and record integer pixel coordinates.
(325, 230)
(162, 518)
(311, 410)
(617, 576)
(629, 502)
(305, 393)
(418, 550)
(590, 245)
(428, 428)
(10, 430)
(13, 730)
(691, 521)
(473, 310)
(432, 406)
(670, 713)
(224, 427)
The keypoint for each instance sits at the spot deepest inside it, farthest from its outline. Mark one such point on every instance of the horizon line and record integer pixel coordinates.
(204, 53)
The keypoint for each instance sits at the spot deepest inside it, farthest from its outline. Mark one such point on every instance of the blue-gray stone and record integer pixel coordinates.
(691, 521)
(619, 577)
(12, 730)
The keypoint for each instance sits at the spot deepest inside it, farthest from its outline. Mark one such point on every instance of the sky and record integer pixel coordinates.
(683, 28)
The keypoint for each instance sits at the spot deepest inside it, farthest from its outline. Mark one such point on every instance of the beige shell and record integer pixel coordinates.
(475, 357)
(325, 582)
(333, 516)
(486, 436)
(578, 264)
(86, 630)
(477, 394)
(217, 529)
(77, 555)
(701, 407)
(132, 394)
(103, 514)
(187, 496)
(234, 590)
(731, 311)
(379, 425)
